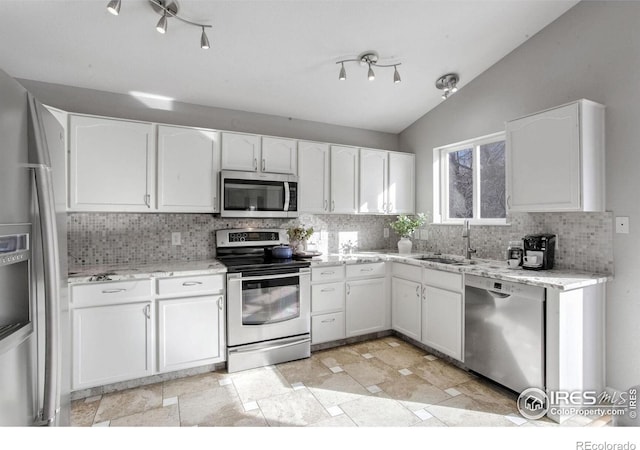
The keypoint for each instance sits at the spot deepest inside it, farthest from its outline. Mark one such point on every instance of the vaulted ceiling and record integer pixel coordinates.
(272, 57)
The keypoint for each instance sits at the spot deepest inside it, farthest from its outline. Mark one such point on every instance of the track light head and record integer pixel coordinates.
(204, 41)
(448, 84)
(343, 73)
(114, 7)
(162, 24)
(370, 75)
(396, 75)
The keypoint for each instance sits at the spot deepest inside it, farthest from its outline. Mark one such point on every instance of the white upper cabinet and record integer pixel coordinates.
(373, 181)
(387, 182)
(279, 155)
(401, 186)
(249, 152)
(313, 172)
(112, 165)
(240, 151)
(188, 165)
(555, 159)
(344, 180)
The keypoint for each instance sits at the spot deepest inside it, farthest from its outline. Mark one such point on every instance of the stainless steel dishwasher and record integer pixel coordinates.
(504, 332)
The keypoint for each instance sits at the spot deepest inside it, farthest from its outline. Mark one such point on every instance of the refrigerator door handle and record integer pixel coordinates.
(44, 189)
(46, 204)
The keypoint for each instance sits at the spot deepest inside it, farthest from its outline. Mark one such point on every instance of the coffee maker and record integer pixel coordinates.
(539, 250)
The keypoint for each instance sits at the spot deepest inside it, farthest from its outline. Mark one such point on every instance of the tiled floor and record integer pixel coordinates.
(384, 382)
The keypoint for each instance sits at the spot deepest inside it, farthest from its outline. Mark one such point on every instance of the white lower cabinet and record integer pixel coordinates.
(123, 330)
(327, 304)
(111, 343)
(442, 321)
(189, 332)
(367, 305)
(406, 307)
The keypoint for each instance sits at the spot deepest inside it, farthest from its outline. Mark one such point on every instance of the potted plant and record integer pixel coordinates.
(405, 226)
(298, 237)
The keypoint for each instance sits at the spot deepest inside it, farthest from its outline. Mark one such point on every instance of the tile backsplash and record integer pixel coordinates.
(585, 240)
(117, 238)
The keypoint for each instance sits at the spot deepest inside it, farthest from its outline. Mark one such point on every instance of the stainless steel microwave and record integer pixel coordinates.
(256, 194)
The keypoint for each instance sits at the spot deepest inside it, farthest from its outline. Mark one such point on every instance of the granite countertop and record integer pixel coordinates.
(564, 280)
(135, 271)
(557, 279)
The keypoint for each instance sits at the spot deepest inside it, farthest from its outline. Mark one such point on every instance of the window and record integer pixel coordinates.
(469, 181)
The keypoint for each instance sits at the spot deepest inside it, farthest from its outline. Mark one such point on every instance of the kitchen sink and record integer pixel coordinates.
(443, 260)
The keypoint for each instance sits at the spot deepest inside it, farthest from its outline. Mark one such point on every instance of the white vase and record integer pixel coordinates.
(404, 245)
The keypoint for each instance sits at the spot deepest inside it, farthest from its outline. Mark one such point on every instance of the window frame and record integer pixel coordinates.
(441, 180)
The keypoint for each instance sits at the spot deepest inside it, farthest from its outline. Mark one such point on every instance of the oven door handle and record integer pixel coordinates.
(269, 348)
(268, 277)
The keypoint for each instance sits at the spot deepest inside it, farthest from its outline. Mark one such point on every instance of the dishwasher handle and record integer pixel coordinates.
(495, 294)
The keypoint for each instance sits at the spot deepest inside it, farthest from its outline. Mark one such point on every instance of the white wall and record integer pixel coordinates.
(89, 101)
(592, 51)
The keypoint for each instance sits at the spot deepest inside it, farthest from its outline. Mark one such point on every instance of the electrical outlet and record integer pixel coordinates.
(386, 232)
(176, 238)
(622, 225)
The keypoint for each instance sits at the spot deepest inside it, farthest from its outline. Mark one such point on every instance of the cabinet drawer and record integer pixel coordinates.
(327, 327)
(195, 285)
(330, 273)
(407, 272)
(327, 297)
(442, 279)
(96, 294)
(366, 270)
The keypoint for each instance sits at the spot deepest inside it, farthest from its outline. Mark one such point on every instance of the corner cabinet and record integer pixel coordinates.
(387, 182)
(555, 159)
(112, 165)
(188, 167)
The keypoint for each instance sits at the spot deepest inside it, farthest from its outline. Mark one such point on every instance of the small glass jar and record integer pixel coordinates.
(515, 250)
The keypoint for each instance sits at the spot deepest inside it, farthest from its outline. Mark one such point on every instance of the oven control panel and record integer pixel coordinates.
(234, 238)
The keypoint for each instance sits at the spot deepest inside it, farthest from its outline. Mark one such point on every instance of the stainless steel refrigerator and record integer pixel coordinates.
(34, 314)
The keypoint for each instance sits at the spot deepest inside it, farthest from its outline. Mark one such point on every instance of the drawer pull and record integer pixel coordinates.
(327, 290)
(113, 291)
(192, 283)
(329, 320)
(368, 269)
(327, 272)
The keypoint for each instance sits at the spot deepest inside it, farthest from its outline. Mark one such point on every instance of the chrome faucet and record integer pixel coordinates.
(466, 235)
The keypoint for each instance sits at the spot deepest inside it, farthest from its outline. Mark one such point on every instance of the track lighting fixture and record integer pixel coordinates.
(448, 84)
(370, 59)
(114, 7)
(167, 9)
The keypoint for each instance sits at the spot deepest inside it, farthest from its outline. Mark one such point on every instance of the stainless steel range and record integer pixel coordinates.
(268, 300)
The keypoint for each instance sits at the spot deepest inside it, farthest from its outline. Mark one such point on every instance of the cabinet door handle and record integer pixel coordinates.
(329, 320)
(424, 292)
(384, 206)
(418, 291)
(112, 291)
(508, 201)
(390, 207)
(327, 290)
(147, 200)
(328, 272)
(220, 303)
(348, 289)
(147, 311)
(333, 205)
(264, 165)
(255, 164)
(192, 283)
(325, 204)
